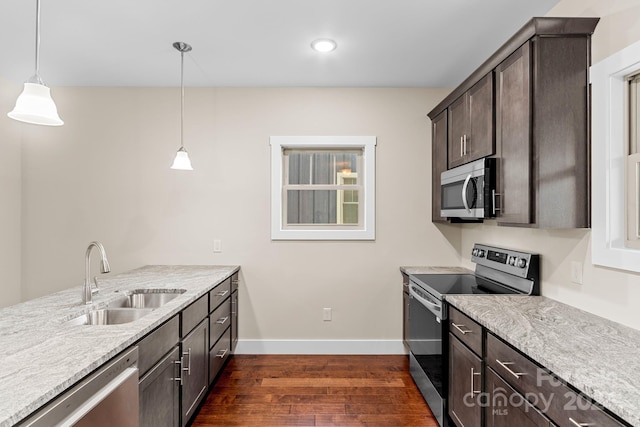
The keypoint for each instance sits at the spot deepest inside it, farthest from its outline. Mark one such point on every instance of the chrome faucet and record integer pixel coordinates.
(87, 289)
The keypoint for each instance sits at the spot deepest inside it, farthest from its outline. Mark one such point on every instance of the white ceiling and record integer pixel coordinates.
(396, 43)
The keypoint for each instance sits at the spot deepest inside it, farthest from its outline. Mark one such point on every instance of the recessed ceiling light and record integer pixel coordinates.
(323, 45)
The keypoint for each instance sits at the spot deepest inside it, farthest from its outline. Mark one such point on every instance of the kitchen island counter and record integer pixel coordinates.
(43, 355)
(598, 357)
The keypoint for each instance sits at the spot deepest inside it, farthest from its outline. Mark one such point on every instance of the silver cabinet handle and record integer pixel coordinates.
(493, 196)
(505, 365)
(222, 353)
(473, 374)
(575, 423)
(464, 192)
(178, 362)
(222, 320)
(222, 293)
(188, 368)
(459, 328)
(464, 145)
(461, 152)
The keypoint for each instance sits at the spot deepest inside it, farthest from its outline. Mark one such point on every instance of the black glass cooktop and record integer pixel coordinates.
(442, 284)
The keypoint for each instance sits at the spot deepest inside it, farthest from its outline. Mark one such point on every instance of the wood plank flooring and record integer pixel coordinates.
(332, 390)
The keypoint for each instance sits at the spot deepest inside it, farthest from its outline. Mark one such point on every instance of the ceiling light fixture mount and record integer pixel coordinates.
(182, 162)
(324, 45)
(35, 105)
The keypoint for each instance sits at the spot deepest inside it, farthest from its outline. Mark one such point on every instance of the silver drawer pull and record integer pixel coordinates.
(505, 365)
(222, 353)
(178, 362)
(222, 293)
(222, 320)
(459, 327)
(188, 354)
(473, 374)
(575, 423)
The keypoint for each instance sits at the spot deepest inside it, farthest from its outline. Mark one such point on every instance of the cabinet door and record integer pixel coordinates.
(480, 141)
(195, 365)
(234, 321)
(513, 138)
(458, 113)
(438, 163)
(465, 380)
(507, 408)
(160, 393)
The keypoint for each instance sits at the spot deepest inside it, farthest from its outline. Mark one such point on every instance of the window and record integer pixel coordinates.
(632, 170)
(323, 188)
(615, 161)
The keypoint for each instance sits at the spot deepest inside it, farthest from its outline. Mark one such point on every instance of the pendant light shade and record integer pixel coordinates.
(35, 105)
(182, 162)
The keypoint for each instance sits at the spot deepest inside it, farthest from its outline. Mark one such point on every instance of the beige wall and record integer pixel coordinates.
(105, 175)
(10, 200)
(609, 293)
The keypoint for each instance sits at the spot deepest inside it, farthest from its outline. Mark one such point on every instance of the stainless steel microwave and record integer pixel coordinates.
(469, 191)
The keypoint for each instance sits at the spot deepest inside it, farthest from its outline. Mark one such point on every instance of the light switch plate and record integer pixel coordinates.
(576, 272)
(326, 314)
(217, 245)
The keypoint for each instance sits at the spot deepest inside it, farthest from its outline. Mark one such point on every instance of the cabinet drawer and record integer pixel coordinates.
(219, 354)
(219, 320)
(194, 314)
(467, 330)
(158, 343)
(565, 407)
(218, 294)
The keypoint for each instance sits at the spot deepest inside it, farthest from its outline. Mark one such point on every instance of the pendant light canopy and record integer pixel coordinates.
(182, 162)
(35, 105)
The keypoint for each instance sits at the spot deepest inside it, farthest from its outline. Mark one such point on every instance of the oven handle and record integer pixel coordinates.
(432, 307)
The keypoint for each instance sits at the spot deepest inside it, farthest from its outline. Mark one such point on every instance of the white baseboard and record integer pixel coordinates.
(320, 347)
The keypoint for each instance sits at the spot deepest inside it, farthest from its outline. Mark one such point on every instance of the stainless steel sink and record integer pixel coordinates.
(146, 298)
(110, 316)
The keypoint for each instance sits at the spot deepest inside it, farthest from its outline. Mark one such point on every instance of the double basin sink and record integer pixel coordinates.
(127, 308)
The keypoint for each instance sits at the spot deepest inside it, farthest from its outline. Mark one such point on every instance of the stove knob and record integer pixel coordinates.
(474, 252)
(512, 260)
(481, 253)
(522, 263)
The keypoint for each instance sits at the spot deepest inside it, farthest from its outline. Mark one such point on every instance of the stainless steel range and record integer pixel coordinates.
(498, 271)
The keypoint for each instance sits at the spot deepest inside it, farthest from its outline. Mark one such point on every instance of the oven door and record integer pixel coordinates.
(427, 361)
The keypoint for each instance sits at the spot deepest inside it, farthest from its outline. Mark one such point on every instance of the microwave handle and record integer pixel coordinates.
(464, 193)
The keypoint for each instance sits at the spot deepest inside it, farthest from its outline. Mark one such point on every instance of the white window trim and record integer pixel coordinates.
(366, 143)
(608, 158)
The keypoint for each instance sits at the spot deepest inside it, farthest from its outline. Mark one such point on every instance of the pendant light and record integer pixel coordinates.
(182, 162)
(35, 105)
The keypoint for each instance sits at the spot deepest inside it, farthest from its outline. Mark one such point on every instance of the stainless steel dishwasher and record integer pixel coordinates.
(108, 397)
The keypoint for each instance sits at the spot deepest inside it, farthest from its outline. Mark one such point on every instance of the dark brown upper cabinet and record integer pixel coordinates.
(471, 130)
(530, 100)
(439, 155)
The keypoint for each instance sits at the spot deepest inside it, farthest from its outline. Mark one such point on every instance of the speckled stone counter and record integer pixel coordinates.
(599, 357)
(41, 355)
(435, 270)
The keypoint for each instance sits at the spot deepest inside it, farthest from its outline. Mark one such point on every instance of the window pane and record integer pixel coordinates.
(311, 206)
(321, 166)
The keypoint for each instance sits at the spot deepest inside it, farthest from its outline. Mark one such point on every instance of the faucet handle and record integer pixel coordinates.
(95, 281)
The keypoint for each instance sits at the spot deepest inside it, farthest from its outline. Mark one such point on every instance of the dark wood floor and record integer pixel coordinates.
(279, 390)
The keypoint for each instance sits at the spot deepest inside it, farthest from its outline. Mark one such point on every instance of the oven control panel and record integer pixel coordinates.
(521, 264)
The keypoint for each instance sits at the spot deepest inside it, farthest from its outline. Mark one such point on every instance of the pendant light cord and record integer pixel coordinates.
(181, 99)
(36, 76)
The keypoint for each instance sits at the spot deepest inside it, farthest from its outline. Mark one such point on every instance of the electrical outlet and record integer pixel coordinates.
(326, 314)
(576, 272)
(217, 245)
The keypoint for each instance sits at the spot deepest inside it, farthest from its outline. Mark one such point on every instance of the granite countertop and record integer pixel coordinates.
(435, 270)
(41, 355)
(597, 356)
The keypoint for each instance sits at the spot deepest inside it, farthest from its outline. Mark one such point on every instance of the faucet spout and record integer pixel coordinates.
(87, 290)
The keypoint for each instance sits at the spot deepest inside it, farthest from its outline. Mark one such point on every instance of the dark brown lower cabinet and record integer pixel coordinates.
(160, 393)
(465, 382)
(507, 408)
(195, 369)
